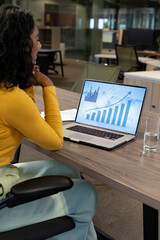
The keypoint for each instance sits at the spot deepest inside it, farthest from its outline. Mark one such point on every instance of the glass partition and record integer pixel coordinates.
(78, 24)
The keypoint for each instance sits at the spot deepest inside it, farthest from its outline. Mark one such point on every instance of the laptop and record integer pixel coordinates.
(107, 116)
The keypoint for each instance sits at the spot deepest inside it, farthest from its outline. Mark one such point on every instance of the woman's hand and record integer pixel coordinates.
(41, 79)
(36, 69)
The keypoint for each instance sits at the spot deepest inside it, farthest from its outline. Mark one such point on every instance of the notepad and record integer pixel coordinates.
(66, 115)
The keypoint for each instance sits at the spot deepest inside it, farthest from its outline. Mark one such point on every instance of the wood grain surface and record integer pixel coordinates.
(125, 168)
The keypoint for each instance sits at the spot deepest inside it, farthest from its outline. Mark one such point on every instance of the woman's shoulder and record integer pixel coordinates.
(15, 94)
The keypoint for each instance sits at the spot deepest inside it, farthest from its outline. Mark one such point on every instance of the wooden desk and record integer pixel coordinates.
(124, 168)
(50, 53)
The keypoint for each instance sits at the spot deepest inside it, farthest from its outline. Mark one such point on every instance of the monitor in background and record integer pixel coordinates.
(109, 39)
(141, 38)
(156, 39)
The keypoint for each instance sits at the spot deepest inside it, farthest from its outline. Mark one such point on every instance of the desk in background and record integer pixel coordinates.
(151, 80)
(108, 57)
(141, 53)
(155, 63)
(51, 54)
(124, 168)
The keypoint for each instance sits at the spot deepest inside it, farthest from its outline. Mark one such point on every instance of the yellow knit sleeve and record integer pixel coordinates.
(31, 92)
(23, 115)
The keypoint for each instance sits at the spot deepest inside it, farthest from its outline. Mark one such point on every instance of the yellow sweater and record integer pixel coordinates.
(19, 117)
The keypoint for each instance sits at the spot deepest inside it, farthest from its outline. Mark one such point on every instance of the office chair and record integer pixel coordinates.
(46, 62)
(42, 61)
(16, 155)
(127, 58)
(52, 57)
(98, 72)
(31, 190)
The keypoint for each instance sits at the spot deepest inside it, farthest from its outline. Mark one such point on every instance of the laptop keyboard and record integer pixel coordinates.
(96, 132)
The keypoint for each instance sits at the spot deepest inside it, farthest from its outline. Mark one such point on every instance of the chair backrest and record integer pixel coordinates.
(98, 72)
(42, 61)
(126, 57)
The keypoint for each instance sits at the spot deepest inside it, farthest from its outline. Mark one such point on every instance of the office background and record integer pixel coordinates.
(80, 22)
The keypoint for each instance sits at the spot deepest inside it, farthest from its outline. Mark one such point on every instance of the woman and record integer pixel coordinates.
(19, 117)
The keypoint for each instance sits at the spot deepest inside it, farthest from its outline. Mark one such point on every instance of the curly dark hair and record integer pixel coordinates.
(16, 26)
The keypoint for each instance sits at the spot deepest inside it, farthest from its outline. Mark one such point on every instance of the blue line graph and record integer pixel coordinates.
(115, 115)
(129, 93)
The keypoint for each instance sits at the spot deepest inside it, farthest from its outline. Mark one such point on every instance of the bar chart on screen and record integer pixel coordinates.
(115, 113)
(110, 106)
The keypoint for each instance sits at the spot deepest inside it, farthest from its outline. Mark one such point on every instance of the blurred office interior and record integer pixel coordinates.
(81, 29)
(78, 24)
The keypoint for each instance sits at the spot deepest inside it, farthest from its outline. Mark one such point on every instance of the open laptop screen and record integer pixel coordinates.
(112, 106)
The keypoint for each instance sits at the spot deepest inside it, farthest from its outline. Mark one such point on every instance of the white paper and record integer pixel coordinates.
(66, 115)
(42, 115)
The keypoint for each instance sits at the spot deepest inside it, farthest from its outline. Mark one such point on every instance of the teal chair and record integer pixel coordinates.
(98, 72)
(127, 58)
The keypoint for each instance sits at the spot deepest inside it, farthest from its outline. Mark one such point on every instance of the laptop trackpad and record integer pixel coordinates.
(82, 137)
